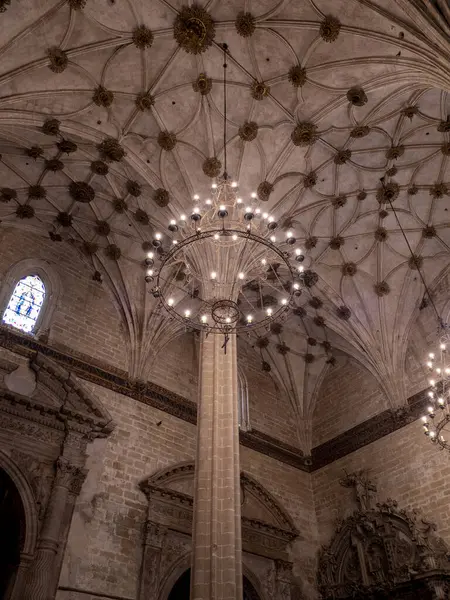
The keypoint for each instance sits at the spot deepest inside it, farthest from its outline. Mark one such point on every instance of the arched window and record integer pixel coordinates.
(25, 303)
(243, 415)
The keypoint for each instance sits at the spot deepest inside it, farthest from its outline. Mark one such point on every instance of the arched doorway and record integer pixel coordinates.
(181, 589)
(12, 532)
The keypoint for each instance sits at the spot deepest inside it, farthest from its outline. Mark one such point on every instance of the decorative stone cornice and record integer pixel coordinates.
(113, 379)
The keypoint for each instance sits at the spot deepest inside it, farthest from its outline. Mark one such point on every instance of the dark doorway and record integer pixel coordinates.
(12, 529)
(181, 590)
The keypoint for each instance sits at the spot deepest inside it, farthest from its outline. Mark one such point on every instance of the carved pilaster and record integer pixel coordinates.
(283, 579)
(154, 535)
(40, 578)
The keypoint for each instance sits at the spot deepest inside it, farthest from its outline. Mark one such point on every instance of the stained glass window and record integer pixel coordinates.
(25, 304)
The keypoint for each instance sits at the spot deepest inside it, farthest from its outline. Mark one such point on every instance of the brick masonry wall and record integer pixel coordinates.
(85, 319)
(404, 465)
(269, 409)
(104, 547)
(176, 367)
(349, 395)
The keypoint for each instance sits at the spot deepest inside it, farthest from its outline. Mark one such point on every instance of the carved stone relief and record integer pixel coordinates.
(44, 414)
(382, 551)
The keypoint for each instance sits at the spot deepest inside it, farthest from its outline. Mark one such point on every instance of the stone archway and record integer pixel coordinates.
(12, 533)
(181, 589)
(267, 532)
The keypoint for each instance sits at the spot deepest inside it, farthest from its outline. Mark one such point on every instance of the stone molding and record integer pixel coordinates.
(369, 431)
(157, 397)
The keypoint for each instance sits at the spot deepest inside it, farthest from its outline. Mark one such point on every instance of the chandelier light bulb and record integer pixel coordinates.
(441, 401)
(216, 236)
(150, 255)
(432, 382)
(234, 184)
(227, 320)
(438, 370)
(273, 239)
(432, 434)
(253, 195)
(239, 200)
(196, 210)
(271, 223)
(430, 364)
(430, 410)
(269, 312)
(183, 218)
(213, 275)
(173, 225)
(204, 319)
(248, 216)
(430, 394)
(301, 269)
(157, 236)
(265, 216)
(234, 237)
(284, 301)
(249, 318)
(424, 419)
(208, 201)
(174, 242)
(298, 251)
(241, 275)
(214, 186)
(187, 314)
(170, 301)
(431, 355)
(150, 272)
(263, 261)
(222, 212)
(258, 211)
(296, 286)
(196, 197)
(447, 371)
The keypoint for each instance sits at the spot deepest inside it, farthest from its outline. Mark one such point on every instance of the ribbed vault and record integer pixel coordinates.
(338, 108)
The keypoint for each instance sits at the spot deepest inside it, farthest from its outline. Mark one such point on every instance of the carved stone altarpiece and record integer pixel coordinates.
(383, 551)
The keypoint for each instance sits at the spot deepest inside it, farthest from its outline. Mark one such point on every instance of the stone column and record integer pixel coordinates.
(40, 577)
(217, 545)
(151, 561)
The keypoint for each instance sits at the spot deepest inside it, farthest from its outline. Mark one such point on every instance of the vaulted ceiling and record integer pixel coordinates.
(340, 108)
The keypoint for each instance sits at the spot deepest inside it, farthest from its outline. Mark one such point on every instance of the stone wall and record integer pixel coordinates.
(85, 319)
(104, 547)
(349, 395)
(405, 466)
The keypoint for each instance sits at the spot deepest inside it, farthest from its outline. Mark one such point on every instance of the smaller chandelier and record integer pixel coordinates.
(436, 422)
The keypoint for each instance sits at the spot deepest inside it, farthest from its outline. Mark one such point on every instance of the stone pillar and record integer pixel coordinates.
(217, 545)
(40, 577)
(151, 561)
(283, 578)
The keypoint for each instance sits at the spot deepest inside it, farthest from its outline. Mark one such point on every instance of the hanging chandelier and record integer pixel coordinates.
(436, 422)
(225, 267)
